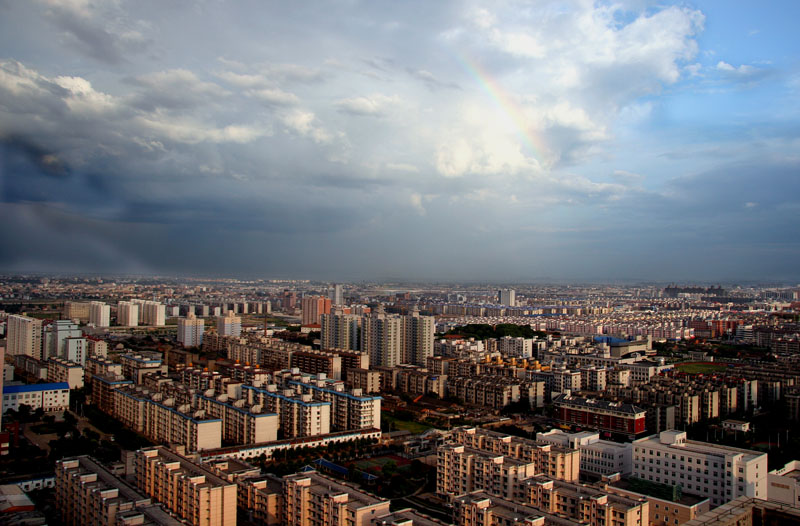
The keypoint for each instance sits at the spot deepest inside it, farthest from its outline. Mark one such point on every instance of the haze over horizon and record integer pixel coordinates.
(503, 141)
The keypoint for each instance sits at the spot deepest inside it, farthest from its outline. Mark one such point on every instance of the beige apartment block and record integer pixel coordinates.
(365, 379)
(190, 491)
(556, 462)
(311, 499)
(163, 421)
(241, 424)
(663, 512)
(87, 494)
(584, 504)
(481, 509)
(60, 370)
(462, 470)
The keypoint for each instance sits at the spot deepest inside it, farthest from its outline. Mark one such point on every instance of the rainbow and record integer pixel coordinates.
(504, 103)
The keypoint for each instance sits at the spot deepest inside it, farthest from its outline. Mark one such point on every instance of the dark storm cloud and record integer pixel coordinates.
(474, 141)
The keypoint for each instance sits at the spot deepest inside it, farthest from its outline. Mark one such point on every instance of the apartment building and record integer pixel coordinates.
(584, 504)
(97, 347)
(350, 410)
(87, 493)
(482, 509)
(418, 335)
(49, 397)
(192, 492)
(54, 338)
(311, 499)
(313, 308)
(136, 365)
(60, 370)
(165, 421)
(190, 330)
(99, 365)
(103, 387)
(76, 311)
(24, 336)
(462, 469)
(365, 379)
(229, 325)
(312, 361)
(300, 415)
(494, 392)
(720, 473)
(127, 314)
(598, 457)
(339, 330)
(99, 314)
(554, 461)
(382, 338)
(240, 424)
(664, 510)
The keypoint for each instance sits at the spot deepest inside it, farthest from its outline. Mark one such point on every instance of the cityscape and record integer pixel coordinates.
(146, 400)
(381, 263)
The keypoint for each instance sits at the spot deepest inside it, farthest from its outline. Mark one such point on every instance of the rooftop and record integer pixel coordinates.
(29, 388)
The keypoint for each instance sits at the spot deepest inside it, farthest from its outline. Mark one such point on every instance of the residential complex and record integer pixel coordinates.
(88, 493)
(190, 491)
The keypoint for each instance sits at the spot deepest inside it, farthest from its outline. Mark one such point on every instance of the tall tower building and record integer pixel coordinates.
(339, 331)
(60, 330)
(127, 314)
(314, 307)
(507, 297)
(190, 330)
(418, 334)
(24, 336)
(99, 314)
(229, 325)
(336, 294)
(381, 338)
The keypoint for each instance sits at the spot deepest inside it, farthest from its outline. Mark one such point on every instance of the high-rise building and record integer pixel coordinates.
(190, 331)
(507, 297)
(418, 334)
(99, 314)
(229, 325)
(60, 330)
(151, 312)
(381, 338)
(76, 350)
(336, 294)
(24, 336)
(127, 314)
(314, 307)
(76, 311)
(339, 331)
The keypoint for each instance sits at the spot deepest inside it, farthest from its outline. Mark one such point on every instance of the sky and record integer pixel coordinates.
(449, 140)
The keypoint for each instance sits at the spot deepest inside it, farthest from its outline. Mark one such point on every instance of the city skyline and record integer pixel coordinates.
(512, 142)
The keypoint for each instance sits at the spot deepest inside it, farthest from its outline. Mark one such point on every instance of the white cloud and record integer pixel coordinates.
(303, 122)
(373, 105)
(181, 81)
